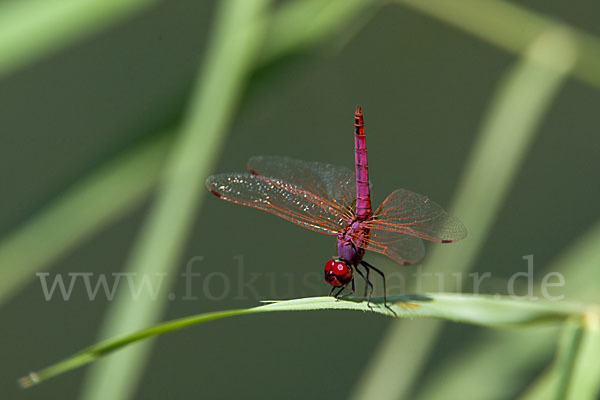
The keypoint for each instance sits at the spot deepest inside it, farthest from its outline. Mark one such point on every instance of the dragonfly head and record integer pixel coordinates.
(337, 273)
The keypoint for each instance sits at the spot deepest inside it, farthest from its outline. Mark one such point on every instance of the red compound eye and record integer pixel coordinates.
(337, 273)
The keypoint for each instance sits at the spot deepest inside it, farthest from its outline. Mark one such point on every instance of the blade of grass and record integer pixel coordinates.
(471, 309)
(524, 96)
(236, 37)
(574, 374)
(555, 383)
(542, 388)
(584, 383)
(117, 197)
(82, 210)
(31, 29)
(300, 25)
(579, 265)
(512, 28)
(567, 352)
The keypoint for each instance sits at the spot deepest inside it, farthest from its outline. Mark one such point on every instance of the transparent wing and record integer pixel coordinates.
(402, 220)
(415, 215)
(336, 184)
(282, 198)
(403, 249)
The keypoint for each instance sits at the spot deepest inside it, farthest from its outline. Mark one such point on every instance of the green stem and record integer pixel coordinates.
(513, 28)
(85, 208)
(107, 193)
(31, 29)
(578, 264)
(472, 309)
(522, 99)
(584, 383)
(229, 60)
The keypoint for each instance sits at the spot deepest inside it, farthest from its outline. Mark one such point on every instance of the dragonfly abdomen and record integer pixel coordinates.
(363, 195)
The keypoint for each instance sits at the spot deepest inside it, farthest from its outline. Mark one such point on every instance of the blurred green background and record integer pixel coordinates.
(425, 86)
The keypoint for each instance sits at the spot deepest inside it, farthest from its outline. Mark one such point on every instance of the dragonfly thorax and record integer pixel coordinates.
(346, 248)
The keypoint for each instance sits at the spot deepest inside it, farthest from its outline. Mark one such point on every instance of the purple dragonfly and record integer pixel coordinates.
(337, 201)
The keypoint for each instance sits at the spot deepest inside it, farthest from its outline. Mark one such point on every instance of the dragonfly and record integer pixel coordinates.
(336, 201)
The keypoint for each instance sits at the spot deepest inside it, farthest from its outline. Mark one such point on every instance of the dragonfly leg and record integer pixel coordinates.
(368, 283)
(369, 266)
(337, 295)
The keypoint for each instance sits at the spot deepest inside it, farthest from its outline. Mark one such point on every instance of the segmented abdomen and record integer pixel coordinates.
(363, 195)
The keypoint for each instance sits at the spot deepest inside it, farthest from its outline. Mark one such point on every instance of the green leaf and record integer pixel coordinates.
(471, 309)
(523, 97)
(568, 347)
(579, 266)
(574, 374)
(31, 29)
(121, 189)
(236, 37)
(88, 206)
(302, 24)
(513, 28)
(585, 383)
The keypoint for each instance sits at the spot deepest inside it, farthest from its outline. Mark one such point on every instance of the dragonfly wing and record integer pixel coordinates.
(403, 249)
(282, 198)
(402, 220)
(405, 212)
(338, 184)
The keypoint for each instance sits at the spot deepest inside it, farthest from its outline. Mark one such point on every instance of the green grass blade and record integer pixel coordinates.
(235, 40)
(568, 347)
(585, 382)
(106, 347)
(513, 28)
(554, 383)
(522, 100)
(542, 388)
(300, 25)
(19, 267)
(579, 265)
(480, 310)
(82, 210)
(31, 29)
(574, 374)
